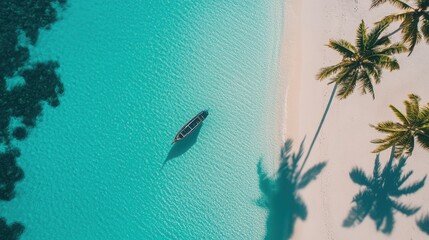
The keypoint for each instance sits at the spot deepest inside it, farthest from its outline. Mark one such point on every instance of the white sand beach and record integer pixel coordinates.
(344, 141)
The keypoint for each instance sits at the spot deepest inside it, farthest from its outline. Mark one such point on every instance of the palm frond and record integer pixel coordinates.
(400, 139)
(397, 3)
(374, 35)
(361, 37)
(376, 3)
(395, 17)
(388, 63)
(412, 107)
(411, 34)
(373, 70)
(383, 145)
(366, 83)
(424, 117)
(423, 4)
(423, 140)
(329, 71)
(400, 115)
(345, 48)
(389, 127)
(394, 49)
(425, 27)
(347, 83)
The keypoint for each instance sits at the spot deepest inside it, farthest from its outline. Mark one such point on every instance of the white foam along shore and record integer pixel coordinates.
(344, 141)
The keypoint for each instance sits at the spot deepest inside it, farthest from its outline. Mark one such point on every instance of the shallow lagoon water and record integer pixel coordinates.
(134, 73)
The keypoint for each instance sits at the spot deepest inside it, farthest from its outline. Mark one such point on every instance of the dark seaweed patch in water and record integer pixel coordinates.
(10, 173)
(12, 231)
(20, 133)
(20, 24)
(280, 193)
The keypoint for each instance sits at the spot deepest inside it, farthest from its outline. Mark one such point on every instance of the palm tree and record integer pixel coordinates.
(379, 195)
(412, 125)
(423, 223)
(280, 193)
(362, 64)
(412, 18)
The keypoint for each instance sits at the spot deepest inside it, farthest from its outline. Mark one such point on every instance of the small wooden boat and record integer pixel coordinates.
(191, 125)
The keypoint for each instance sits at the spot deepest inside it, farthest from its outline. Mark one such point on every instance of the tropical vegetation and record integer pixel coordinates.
(414, 20)
(379, 195)
(412, 125)
(362, 63)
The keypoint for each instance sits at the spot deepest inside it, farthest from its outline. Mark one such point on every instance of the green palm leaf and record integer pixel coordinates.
(400, 115)
(394, 49)
(411, 33)
(412, 20)
(363, 62)
(361, 37)
(413, 125)
(389, 127)
(423, 140)
(412, 107)
(425, 27)
(397, 3)
(345, 48)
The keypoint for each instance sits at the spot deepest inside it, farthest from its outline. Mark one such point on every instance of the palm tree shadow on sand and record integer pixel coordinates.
(182, 146)
(379, 196)
(280, 193)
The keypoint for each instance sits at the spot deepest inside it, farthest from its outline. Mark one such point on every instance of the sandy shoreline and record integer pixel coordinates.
(345, 137)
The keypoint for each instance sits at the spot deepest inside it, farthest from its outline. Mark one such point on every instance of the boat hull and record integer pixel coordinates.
(191, 125)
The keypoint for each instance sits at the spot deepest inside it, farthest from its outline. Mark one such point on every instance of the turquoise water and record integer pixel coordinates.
(134, 73)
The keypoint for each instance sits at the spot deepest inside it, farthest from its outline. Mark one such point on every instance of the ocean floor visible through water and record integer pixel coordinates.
(134, 72)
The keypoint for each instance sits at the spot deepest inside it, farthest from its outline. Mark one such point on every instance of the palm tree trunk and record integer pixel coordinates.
(318, 129)
(394, 32)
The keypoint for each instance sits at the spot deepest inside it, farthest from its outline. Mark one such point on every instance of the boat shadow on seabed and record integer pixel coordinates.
(183, 145)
